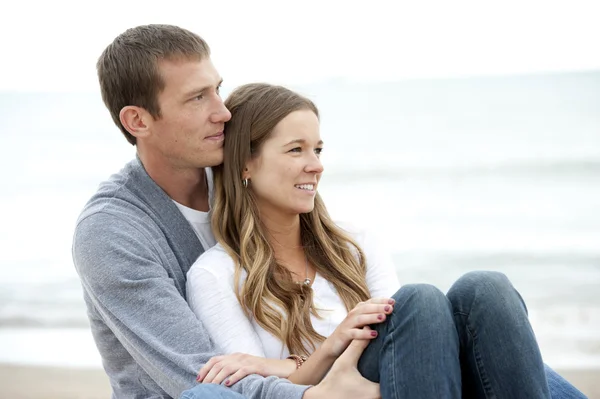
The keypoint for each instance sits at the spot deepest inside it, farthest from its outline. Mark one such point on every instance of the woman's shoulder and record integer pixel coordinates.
(356, 231)
(215, 260)
(367, 237)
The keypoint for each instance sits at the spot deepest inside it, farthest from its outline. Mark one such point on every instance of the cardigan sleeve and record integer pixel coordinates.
(143, 313)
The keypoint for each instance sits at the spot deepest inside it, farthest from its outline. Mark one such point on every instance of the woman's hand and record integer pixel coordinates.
(373, 311)
(238, 365)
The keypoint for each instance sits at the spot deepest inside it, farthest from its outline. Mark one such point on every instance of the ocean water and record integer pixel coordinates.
(454, 175)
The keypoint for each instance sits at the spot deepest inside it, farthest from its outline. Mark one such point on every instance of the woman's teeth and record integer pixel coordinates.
(309, 187)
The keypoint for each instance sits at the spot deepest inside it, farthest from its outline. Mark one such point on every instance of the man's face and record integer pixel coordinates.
(189, 133)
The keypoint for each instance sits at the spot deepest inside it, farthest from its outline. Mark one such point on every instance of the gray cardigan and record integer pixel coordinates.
(132, 249)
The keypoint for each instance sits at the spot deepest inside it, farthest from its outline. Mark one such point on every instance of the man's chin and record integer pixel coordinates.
(214, 158)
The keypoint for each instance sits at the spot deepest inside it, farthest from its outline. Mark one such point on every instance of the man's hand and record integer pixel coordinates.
(343, 380)
(236, 366)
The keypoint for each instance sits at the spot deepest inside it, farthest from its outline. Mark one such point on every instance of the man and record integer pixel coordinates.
(133, 245)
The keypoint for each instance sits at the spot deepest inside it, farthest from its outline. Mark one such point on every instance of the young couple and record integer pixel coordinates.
(285, 292)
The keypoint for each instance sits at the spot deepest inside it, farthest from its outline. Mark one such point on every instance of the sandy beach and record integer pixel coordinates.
(25, 382)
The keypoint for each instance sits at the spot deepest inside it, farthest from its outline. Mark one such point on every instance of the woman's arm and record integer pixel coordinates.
(382, 279)
(355, 326)
(382, 282)
(233, 367)
(314, 368)
(213, 301)
(212, 298)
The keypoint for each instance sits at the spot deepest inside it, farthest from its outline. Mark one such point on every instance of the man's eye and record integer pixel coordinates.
(296, 149)
(199, 97)
(318, 151)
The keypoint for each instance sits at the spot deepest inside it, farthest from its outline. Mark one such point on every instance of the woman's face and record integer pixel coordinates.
(285, 174)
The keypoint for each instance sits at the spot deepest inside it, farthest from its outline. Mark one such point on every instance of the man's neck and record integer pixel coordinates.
(186, 186)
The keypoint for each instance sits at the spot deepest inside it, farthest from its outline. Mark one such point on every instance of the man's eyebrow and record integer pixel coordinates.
(202, 89)
(301, 141)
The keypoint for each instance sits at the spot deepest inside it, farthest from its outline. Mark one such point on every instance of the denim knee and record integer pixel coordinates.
(487, 289)
(426, 300)
(422, 294)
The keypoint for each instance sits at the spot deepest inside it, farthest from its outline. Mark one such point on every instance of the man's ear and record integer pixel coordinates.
(136, 120)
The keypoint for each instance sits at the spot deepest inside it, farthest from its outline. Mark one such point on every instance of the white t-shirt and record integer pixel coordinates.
(211, 296)
(200, 221)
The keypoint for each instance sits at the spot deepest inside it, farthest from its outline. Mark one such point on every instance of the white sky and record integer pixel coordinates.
(53, 45)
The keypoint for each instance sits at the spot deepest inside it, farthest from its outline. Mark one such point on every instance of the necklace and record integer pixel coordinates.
(306, 281)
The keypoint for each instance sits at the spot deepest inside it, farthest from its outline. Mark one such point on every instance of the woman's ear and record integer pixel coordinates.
(246, 172)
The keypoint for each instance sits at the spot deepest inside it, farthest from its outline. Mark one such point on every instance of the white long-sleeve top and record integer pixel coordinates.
(211, 296)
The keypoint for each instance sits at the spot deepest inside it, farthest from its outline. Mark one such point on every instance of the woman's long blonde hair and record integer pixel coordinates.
(269, 293)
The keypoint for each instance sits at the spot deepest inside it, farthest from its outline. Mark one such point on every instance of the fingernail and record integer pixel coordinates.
(391, 301)
(227, 382)
(380, 316)
(387, 308)
(198, 379)
(373, 333)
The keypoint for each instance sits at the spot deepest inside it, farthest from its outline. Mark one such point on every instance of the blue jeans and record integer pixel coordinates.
(474, 342)
(210, 391)
(559, 388)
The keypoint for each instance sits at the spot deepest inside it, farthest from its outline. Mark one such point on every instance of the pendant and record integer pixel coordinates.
(306, 281)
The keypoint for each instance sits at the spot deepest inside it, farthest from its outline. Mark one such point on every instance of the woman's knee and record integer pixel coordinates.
(486, 288)
(486, 277)
(489, 281)
(424, 298)
(424, 292)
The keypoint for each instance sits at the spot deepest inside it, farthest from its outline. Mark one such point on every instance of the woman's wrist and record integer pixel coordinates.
(299, 359)
(327, 349)
(289, 365)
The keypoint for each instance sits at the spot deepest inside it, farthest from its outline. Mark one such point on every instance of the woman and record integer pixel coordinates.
(286, 290)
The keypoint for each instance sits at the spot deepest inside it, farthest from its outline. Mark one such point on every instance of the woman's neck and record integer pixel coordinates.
(286, 241)
(284, 235)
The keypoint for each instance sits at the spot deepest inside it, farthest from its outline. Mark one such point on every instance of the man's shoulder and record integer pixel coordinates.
(115, 196)
(114, 210)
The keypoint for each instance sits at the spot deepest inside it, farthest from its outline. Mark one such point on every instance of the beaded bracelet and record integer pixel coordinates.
(299, 360)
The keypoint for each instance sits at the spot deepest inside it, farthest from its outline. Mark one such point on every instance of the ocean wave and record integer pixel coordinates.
(469, 259)
(75, 321)
(385, 169)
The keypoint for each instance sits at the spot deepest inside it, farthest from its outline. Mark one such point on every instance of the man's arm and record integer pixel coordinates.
(122, 271)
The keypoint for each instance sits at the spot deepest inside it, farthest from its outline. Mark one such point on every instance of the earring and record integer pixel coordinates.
(245, 183)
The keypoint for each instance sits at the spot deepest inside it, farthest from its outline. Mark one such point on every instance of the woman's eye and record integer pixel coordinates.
(296, 149)
(318, 151)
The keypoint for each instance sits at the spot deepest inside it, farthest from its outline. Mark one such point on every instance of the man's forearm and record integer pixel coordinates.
(313, 393)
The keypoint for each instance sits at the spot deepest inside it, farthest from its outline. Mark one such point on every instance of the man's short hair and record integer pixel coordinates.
(128, 69)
